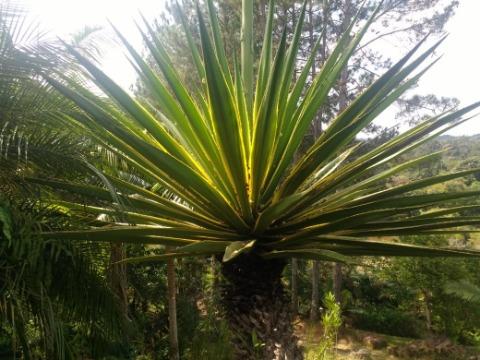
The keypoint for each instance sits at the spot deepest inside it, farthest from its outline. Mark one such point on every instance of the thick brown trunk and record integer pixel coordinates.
(258, 310)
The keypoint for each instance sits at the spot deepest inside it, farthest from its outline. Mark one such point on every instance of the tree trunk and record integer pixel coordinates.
(294, 286)
(337, 282)
(428, 313)
(258, 310)
(117, 276)
(314, 308)
(172, 311)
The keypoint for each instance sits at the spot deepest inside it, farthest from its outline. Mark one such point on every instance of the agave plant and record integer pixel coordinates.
(224, 155)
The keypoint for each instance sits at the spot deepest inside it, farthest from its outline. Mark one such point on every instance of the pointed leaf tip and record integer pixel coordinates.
(236, 248)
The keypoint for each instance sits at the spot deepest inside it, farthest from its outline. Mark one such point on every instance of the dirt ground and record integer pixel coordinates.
(353, 344)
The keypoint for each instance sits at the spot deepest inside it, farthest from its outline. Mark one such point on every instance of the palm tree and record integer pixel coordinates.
(224, 155)
(44, 309)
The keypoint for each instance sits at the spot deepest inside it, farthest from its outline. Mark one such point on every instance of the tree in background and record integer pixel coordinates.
(398, 20)
(422, 289)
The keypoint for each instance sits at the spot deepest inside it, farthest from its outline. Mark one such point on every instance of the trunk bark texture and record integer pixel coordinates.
(258, 310)
(117, 276)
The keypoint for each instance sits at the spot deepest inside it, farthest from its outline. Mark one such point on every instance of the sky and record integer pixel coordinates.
(65, 17)
(457, 74)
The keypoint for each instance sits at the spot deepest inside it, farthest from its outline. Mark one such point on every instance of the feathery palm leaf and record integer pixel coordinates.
(33, 288)
(32, 144)
(33, 137)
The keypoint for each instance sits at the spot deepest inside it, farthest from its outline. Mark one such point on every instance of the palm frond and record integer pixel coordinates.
(34, 288)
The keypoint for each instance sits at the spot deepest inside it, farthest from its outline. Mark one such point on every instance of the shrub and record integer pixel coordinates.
(386, 320)
(331, 322)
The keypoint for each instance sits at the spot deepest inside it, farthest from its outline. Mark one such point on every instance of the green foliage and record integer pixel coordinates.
(5, 224)
(202, 333)
(331, 322)
(211, 339)
(258, 345)
(408, 297)
(386, 320)
(464, 290)
(376, 305)
(472, 337)
(36, 298)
